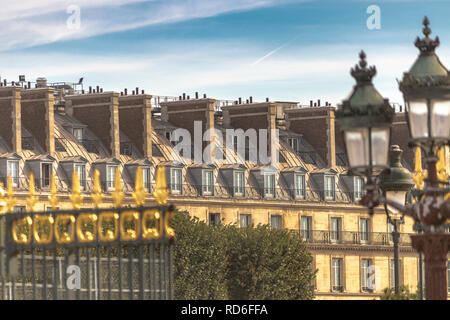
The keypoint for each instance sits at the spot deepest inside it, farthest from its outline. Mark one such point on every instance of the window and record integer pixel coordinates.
(46, 172)
(300, 186)
(275, 222)
(81, 170)
(78, 133)
(364, 230)
(293, 143)
(110, 176)
(207, 181)
(329, 187)
(392, 273)
(214, 219)
(366, 281)
(238, 182)
(390, 230)
(269, 185)
(13, 171)
(245, 220)
(335, 229)
(358, 190)
(337, 283)
(306, 223)
(175, 180)
(146, 176)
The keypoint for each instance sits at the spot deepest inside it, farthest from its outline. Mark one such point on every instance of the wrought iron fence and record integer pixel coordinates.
(98, 253)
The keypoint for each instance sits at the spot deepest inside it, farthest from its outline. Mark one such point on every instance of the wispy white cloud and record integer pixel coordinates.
(297, 73)
(28, 23)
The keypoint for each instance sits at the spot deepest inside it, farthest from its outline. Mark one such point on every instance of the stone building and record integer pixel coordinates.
(47, 130)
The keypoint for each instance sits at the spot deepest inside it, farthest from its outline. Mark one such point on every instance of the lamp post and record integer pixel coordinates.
(365, 123)
(395, 182)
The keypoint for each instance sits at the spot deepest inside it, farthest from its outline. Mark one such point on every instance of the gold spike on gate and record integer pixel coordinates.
(53, 198)
(97, 196)
(117, 194)
(139, 193)
(76, 196)
(10, 200)
(161, 192)
(32, 199)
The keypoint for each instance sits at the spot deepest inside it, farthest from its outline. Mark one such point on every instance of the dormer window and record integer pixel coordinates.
(78, 134)
(269, 184)
(329, 188)
(207, 182)
(238, 183)
(300, 189)
(175, 180)
(293, 143)
(13, 171)
(110, 177)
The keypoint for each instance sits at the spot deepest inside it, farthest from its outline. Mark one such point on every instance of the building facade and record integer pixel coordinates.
(53, 129)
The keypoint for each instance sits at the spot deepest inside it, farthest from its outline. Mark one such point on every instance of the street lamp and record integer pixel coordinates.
(395, 182)
(365, 120)
(426, 90)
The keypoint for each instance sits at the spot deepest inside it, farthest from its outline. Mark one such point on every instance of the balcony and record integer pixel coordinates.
(351, 237)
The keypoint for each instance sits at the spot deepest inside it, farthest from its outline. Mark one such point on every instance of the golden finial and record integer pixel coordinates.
(32, 199)
(97, 196)
(10, 200)
(117, 194)
(76, 196)
(2, 198)
(53, 198)
(161, 192)
(419, 174)
(441, 167)
(139, 194)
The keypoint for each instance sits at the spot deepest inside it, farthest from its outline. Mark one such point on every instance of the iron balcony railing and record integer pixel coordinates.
(351, 237)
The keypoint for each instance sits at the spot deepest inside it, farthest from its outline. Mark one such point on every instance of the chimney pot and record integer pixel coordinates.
(126, 91)
(240, 100)
(142, 91)
(310, 103)
(101, 90)
(204, 96)
(137, 90)
(196, 95)
(98, 89)
(184, 96)
(315, 104)
(90, 89)
(251, 99)
(82, 91)
(188, 97)
(267, 99)
(318, 102)
(133, 92)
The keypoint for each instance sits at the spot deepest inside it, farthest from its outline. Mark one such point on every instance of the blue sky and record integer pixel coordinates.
(283, 49)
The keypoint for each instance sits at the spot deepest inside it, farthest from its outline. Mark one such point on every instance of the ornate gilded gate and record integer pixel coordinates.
(121, 252)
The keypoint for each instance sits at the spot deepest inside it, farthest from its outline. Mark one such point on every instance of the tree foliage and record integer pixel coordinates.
(226, 262)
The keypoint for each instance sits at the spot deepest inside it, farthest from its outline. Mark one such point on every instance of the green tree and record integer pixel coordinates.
(267, 264)
(199, 260)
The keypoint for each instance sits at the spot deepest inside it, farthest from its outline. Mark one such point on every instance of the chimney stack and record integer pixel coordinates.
(11, 121)
(135, 121)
